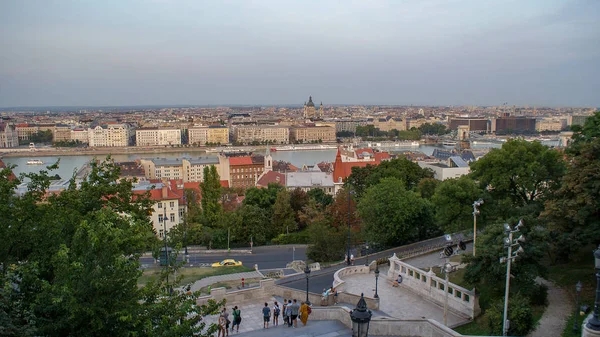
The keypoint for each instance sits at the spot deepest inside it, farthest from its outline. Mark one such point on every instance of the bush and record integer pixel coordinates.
(519, 314)
(292, 238)
(537, 293)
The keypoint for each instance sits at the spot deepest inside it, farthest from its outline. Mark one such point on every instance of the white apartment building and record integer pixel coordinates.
(110, 135)
(169, 205)
(200, 135)
(550, 124)
(25, 130)
(262, 133)
(8, 135)
(157, 136)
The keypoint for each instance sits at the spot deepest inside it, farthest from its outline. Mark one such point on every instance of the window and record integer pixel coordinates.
(450, 290)
(160, 233)
(172, 204)
(458, 294)
(160, 205)
(424, 278)
(160, 218)
(172, 217)
(434, 283)
(442, 287)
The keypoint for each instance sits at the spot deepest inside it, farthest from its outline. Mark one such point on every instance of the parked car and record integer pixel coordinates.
(227, 263)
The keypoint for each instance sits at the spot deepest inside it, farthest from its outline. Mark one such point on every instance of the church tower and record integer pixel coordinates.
(321, 110)
(309, 109)
(268, 160)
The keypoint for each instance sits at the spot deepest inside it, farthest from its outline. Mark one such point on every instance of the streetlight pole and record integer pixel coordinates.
(446, 272)
(350, 192)
(476, 205)
(376, 279)
(594, 323)
(508, 243)
(165, 240)
(578, 291)
(367, 247)
(307, 274)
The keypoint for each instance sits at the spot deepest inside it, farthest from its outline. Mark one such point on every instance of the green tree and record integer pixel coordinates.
(211, 195)
(283, 214)
(433, 129)
(327, 242)
(453, 200)
(298, 200)
(520, 176)
(263, 197)
(393, 216)
(427, 187)
(321, 198)
(520, 315)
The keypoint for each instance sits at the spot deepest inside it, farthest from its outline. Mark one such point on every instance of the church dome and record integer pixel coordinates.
(310, 102)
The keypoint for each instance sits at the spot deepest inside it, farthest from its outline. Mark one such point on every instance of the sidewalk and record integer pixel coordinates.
(229, 277)
(557, 312)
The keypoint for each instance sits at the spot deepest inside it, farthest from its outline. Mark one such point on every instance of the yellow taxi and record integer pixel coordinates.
(227, 263)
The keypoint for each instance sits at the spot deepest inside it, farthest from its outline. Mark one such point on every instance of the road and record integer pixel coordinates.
(324, 278)
(267, 257)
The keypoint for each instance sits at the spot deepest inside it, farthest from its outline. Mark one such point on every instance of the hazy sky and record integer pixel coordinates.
(430, 52)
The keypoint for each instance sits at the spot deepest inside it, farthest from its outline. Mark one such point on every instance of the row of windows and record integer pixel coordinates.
(161, 218)
(248, 169)
(171, 204)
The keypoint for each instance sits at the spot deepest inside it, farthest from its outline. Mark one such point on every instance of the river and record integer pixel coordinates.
(70, 164)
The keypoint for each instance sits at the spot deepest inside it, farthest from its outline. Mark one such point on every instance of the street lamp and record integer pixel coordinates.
(376, 279)
(578, 290)
(167, 257)
(307, 274)
(367, 248)
(510, 243)
(594, 323)
(350, 193)
(447, 270)
(361, 317)
(476, 212)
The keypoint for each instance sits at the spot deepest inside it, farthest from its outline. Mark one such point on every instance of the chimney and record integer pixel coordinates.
(164, 191)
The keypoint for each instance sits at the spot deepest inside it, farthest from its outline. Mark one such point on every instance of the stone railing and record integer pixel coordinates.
(385, 326)
(340, 286)
(461, 301)
(256, 293)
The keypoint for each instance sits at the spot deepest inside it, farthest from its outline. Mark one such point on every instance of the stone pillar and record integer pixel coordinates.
(392, 270)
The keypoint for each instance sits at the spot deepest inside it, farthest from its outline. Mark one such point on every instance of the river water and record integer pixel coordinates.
(70, 164)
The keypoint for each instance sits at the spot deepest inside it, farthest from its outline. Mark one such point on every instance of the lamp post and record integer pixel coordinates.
(578, 291)
(447, 270)
(350, 193)
(509, 243)
(307, 274)
(361, 318)
(376, 279)
(476, 212)
(165, 240)
(367, 248)
(594, 323)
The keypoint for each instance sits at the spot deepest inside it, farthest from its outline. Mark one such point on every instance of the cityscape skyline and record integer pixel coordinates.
(185, 53)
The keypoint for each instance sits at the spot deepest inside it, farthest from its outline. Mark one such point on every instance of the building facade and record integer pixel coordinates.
(9, 136)
(312, 134)
(550, 124)
(24, 130)
(80, 135)
(310, 112)
(200, 135)
(111, 135)
(262, 133)
(244, 171)
(62, 133)
(474, 124)
(157, 136)
(185, 169)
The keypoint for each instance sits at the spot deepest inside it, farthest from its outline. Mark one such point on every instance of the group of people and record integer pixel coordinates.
(224, 322)
(329, 292)
(290, 310)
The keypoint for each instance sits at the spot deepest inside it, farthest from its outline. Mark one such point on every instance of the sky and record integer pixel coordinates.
(401, 52)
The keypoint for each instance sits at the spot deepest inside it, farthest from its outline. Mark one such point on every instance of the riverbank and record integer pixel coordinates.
(76, 151)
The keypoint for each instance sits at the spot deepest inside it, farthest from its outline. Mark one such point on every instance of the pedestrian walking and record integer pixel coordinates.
(225, 314)
(352, 259)
(284, 312)
(295, 311)
(237, 318)
(276, 312)
(288, 313)
(304, 312)
(221, 326)
(266, 315)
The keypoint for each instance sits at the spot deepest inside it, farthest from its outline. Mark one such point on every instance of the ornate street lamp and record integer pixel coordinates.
(307, 274)
(361, 318)
(476, 205)
(367, 248)
(594, 323)
(376, 279)
(510, 243)
(578, 290)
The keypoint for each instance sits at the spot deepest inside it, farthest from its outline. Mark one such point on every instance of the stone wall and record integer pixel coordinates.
(383, 326)
(264, 290)
(461, 301)
(343, 295)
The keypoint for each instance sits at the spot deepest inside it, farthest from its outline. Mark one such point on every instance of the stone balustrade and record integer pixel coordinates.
(346, 297)
(265, 289)
(461, 301)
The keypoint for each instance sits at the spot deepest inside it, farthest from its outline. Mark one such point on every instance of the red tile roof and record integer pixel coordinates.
(245, 160)
(271, 177)
(224, 183)
(11, 176)
(344, 169)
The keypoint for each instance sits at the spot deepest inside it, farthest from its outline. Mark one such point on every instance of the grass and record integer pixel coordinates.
(190, 275)
(231, 284)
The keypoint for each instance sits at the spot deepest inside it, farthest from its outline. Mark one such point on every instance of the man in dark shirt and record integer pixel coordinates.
(266, 315)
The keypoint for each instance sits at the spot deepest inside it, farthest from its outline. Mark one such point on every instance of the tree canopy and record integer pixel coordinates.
(453, 201)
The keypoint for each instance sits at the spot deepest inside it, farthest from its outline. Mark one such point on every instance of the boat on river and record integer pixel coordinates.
(35, 162)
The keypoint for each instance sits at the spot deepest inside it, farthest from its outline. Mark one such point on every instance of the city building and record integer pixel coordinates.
(62, 133)
(24, 130)
(244, 171)
(157, 136)
(550, 124)
(109, 135)
(80, 135)
(454, 167)
(310, 111)
(271, 134)
(349, 125)
(309, 180)
(343, 164)
(9, 136)
(389, 123)
(312, 134)
(576, 119)
(474, 124)
(200, 135)
(513, 124)
(185, 169)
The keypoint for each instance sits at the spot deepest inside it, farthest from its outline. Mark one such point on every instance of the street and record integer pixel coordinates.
(267, 257)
